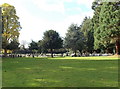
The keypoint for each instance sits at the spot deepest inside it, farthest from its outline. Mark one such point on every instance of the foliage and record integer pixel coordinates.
(33, 46)
(11, 24)
(74, 39)
(52, 40)
(87, 29)
(41, 48)
(13, 45)
(106, 24)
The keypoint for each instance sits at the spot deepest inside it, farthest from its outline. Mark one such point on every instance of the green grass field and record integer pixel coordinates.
(60, 72)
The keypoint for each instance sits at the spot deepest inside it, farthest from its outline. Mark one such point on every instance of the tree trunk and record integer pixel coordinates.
(80, 52)
(51, 52)
(117, 47)
(75, 54)
(5, 52)
(5, 49)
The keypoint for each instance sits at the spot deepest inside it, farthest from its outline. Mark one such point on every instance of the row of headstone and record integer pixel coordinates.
(88, 54)
(55, 55)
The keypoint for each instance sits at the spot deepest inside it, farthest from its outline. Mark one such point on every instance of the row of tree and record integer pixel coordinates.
(80, 37)
(100, 33)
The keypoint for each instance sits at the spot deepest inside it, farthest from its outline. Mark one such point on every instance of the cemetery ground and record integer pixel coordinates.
(60, 72)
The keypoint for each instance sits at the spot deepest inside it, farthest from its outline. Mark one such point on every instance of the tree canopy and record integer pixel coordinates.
(33, 46)
(11, 25)
(74, 39)
(106, 24)
(13, 45)
(52, 40)
(87, 29)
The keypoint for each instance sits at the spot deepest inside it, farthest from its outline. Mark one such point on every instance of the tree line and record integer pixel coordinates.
(101, 33)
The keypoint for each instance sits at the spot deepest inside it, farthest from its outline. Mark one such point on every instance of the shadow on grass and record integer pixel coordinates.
(47, 72)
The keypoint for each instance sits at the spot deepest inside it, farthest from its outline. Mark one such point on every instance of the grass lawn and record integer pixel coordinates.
(60, 72)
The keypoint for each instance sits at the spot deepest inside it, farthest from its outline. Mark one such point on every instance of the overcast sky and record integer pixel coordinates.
(37, 16)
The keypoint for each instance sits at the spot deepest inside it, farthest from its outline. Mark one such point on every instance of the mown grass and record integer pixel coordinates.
(60, 72)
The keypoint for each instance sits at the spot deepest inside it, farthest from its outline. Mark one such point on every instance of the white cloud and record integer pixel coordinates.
(68, 0)
(87, 3)
(50, 5)
(77, 19)
(28, 22)
(34, 26)
(62, 26)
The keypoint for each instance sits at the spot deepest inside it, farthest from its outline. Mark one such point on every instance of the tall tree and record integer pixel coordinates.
(87, 29)
(97, 8)
(52, 40)
(107, 24)
(74, 38)
(11, 25)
